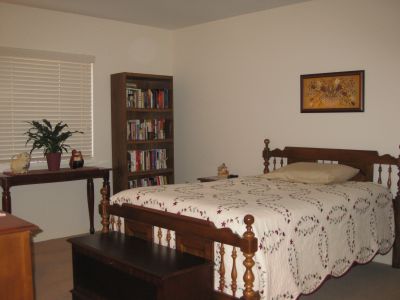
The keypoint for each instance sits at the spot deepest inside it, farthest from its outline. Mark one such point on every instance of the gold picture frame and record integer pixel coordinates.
(332, 92)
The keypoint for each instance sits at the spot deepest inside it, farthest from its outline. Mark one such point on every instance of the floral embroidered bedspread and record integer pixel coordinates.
(305, 231)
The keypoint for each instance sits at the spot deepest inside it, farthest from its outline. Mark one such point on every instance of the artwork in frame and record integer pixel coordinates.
(332, 92)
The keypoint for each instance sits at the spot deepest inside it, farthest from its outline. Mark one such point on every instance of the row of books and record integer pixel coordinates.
(143, 130)
(150, 98)
(146, 160)
(150, 181)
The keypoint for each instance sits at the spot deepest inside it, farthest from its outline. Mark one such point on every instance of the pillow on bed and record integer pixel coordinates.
(307, 172)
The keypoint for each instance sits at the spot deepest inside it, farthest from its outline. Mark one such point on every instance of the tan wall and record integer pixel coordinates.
(237, 81)
(60, 209)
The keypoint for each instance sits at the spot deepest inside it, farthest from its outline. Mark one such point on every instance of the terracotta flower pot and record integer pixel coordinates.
(53, 161)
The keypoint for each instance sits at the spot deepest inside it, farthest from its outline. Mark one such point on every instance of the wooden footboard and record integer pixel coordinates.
(192, 235)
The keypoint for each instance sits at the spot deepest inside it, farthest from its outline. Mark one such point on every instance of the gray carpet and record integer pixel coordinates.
(53, 278)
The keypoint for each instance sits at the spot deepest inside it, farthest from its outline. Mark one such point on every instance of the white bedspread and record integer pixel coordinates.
(305, 231)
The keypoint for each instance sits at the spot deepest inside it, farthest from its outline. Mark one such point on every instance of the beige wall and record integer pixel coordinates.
(237, 82)
(60, 209)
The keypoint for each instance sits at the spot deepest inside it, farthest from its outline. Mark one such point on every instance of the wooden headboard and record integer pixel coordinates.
(364, 160)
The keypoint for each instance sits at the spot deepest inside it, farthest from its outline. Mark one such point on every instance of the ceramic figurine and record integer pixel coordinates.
(76, 160)
(20, 163)
(223, 171)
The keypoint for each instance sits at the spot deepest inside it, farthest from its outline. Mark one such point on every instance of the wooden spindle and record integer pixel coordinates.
(234, 273)
(221, 270)
(266, 156)
(274, 163)
(159, 235)
(112, 223)
(119, 222)
(169, 238)
(389, 181)
(104, 203)
(380, 174)
(248, 249)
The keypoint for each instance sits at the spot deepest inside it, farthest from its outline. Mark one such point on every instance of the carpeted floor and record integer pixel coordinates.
(53, 278)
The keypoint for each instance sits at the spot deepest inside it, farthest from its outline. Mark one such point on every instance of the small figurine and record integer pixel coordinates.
(20, 163)
(76, 160)
(223, 171)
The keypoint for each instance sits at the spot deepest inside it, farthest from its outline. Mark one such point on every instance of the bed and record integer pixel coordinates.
(282, 239)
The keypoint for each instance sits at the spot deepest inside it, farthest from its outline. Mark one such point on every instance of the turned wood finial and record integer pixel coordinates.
(248, 277)
(266, 156)
(249, 220)
(104, 203)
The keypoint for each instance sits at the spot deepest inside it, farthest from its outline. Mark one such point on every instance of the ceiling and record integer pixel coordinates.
(168, 14)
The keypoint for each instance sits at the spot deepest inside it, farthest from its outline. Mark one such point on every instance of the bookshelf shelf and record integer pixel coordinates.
(149, 110)
(149, 173)
(142, 130)
(150, 142)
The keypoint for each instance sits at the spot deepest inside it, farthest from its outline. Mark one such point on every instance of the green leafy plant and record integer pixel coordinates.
(52, 140)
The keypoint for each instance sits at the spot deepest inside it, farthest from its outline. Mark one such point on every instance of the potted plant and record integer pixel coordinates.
(51, 139)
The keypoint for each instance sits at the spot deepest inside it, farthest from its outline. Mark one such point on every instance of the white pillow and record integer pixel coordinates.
(307, 172)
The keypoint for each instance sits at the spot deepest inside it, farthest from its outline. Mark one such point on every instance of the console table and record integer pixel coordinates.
(9, 180)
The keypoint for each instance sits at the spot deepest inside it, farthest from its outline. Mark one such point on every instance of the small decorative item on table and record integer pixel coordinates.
(76, 160)
(223, 171)
(20, 163)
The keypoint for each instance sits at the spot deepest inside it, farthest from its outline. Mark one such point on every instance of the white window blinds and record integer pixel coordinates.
(36, 85)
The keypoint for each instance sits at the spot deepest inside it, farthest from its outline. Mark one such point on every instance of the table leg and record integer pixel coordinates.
(6, 199)
(90, 201)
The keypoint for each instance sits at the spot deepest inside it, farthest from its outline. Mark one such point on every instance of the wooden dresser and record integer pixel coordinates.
(16, 280)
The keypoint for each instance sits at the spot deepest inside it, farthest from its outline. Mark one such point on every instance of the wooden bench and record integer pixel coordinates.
(117, 266)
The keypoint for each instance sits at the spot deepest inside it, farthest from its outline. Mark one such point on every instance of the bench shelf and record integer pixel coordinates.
(117, 266)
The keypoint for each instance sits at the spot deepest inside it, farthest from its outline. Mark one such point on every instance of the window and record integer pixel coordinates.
(36, 85)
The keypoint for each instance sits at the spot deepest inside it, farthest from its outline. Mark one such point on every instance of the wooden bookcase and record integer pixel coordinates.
(142, 130)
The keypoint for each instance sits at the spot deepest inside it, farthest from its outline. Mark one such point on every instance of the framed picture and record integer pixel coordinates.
(332, 92)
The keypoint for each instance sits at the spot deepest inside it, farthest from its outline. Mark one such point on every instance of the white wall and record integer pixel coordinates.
(60, 209)
(237, 81)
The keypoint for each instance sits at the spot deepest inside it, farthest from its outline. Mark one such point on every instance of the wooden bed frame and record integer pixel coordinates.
(198, 237)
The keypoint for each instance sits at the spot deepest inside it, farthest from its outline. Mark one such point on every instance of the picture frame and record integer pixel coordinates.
(332, 92)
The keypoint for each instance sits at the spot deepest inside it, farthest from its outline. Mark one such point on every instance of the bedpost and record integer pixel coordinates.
(266, 156)
(249, 247)
(396, 207)
(104, 203)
